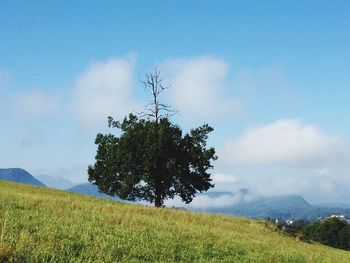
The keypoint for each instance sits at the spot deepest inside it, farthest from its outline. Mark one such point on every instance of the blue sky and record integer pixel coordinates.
(272, 78)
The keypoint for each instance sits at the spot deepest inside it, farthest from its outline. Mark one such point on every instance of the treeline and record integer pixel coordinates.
(333, 231)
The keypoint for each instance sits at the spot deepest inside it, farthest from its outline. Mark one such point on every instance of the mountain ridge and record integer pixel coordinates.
(55, 182)
(284, 207)
(19, 175)
(90, 189)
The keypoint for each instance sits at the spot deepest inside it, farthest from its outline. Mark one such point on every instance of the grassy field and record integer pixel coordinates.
(43, 225)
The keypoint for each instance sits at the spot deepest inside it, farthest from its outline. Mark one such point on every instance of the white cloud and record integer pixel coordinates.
(282, 185)
(321, 171)
(219, 178)
(289, 156)
(225, 199)
(327, 187)
(198, 87)
(35, 103)
(205, 202)
(286, 141)
(302, 184)
(104, 89)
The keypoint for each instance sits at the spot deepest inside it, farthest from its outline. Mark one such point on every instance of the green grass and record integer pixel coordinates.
(44, 225)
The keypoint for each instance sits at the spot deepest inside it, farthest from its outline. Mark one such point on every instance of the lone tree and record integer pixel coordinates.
(152, 160)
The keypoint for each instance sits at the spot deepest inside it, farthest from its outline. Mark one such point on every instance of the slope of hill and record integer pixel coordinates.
(55, 182)
(19, 176)
(44, 225)
(89, 189)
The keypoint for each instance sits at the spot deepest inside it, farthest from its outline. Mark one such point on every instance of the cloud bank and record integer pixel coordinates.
(199, 87)
(219, 178)
(104, 89)
(288, 156)
(287, 141)
(206, 202)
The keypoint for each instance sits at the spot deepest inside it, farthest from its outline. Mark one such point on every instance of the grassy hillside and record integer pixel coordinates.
(43, 225)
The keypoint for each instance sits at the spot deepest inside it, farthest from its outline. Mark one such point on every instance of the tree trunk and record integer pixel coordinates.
(158, 201)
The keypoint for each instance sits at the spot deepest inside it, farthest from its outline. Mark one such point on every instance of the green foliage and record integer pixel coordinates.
(332, 232)
(44, 225)
(295, 229)
(152, 161)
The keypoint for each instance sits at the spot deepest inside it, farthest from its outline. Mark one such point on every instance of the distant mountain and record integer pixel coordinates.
(339, 205)
(19, 175)
(90, 189)
(285, 207)
(244, 203)
(55, 182)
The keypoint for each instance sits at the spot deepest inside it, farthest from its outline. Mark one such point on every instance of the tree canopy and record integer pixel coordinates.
(332, 232)
(152, 159)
